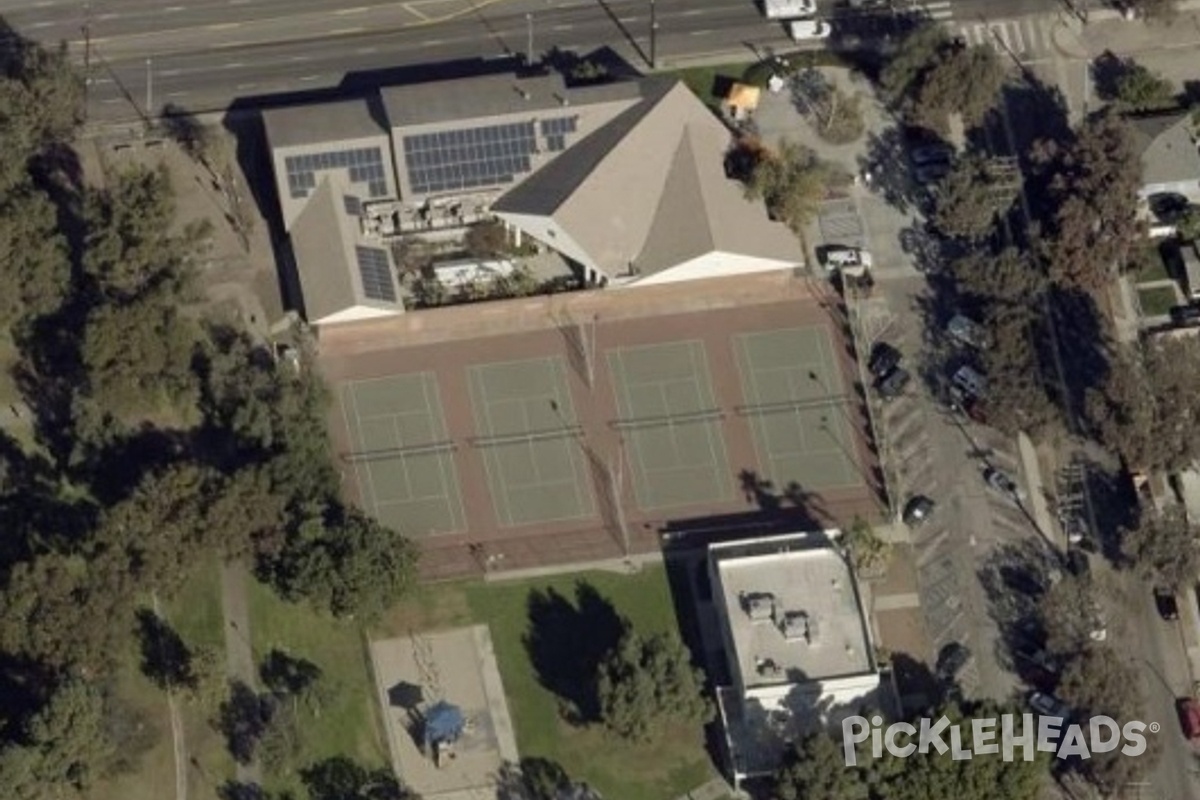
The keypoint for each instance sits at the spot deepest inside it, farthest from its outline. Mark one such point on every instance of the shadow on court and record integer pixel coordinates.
(566, 641)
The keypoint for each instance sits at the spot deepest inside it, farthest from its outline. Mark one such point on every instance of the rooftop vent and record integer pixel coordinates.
(767, 668)
(794, 625)
(759, 606)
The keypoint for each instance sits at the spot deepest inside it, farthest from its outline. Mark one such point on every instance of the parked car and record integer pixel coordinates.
(918, 509)
(838, 256)
(1049, 706)
(934, 153)
(807, 30)
(1168, 207)
(969, 332)
(951, 661)
(1166, 603)
(893, 384)
(970, 381)
(1003, 483)
(1077, 562)
(1189, 717)
(884, 358)
(1186, 315)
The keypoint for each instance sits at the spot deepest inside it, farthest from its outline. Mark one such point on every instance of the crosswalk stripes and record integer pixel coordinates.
(1026, 38)
(938, 10)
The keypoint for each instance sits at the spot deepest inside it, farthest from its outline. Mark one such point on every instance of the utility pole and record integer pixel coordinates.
(149, 90)
(653, 36)
(529, 41)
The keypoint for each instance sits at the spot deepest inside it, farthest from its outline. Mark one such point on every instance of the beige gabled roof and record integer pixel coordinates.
(324, 237)
(1164, 143)
(649, 189)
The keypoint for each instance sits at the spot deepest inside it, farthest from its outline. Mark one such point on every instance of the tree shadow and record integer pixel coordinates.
(1115, 507)
(1014, 577)
(242, 720)
(886, 160)
(1107, 71)
(166, 658)
(539, 779)
(287, 675)
(916, 685)
(1083, 346)
(241, 790)
(566, 641)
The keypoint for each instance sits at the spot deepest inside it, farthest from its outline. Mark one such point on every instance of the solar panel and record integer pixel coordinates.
(353, 205)
(365, 165)
(376, 273)
(468, 158)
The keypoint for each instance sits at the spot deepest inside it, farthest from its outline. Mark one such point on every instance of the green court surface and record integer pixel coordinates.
(669, 417)
(530, 440)
(798, 408)
(401, 453)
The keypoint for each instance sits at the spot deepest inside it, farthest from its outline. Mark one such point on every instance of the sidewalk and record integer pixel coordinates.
(1038, 506)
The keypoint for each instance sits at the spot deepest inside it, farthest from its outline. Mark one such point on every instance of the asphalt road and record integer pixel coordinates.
(204, 54)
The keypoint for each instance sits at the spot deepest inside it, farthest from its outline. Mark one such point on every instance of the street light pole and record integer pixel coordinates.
(529, 40)
(149, 90)
(653, 36)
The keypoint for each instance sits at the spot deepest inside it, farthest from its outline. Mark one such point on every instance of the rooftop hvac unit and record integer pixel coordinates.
(767, 668)
(760, 607)
(794, 625)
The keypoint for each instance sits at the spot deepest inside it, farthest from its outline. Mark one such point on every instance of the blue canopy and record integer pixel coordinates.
(443, 723)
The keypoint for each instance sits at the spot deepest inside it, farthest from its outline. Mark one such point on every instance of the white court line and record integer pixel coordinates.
(505, 519)
(621, 391)
(356, 431)
(560, 381)
(710, 400)
(765, 460)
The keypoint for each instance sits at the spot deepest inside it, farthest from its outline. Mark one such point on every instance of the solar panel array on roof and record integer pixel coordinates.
(376, 273)
(364, 164)
(468, 158)
(353, 205)
(555, 132)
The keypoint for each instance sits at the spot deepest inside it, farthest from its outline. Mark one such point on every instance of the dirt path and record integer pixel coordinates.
(178, 742)
(239, 653)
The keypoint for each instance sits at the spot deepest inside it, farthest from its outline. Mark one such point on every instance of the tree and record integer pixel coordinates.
(1069, 615)
(1147, 406)
(34, 261)
(960, 80)
(42, 98)
(339, 778)
(816, 768)
(970, 198)
(64, 746)
(1141, 89)
(345, 562)
(902, 74)
(430, 292)
(1091, 187)
(867, 553)
(166, 659)
(1009, 279)
(792, 181)
(130, 249)
(487, 239)
(1163, 549)
(137, 357)
(646, 681)
(836, 116)
(1017, 398)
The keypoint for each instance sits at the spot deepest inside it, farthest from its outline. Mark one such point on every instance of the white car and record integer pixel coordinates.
(839, 257)
(806, 30)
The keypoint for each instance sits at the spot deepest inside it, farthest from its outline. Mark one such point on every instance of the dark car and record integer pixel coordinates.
(892, 385)
(1002, 482)
(884, 358)
(924, 154)
(1078, 563)
(918, 509)
(1166, 603)
(951, 660)
(1168, 207)
(1186, 315)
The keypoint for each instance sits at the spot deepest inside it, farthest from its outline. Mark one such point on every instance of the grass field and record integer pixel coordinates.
(1154, 269)
(672, 764)
(1157, 300)
(710, 83)
(348, 723)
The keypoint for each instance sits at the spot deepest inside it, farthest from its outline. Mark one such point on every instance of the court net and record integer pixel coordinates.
(400, 452)
(667, 420)
(564, 432)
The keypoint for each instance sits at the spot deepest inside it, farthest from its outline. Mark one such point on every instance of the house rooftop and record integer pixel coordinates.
(487, 96)
(322, 123)
(1165, 145)
(794, 612)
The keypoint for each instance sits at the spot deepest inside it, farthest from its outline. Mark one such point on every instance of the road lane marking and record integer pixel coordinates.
(241, 87)
(36, 25)
(298, 59)
(562, 27)
(409, 8)
(699, 33)
(231, 44)
(168, 73)
(178, 94)
(112, 100)
(341, 12)
(103, 17)
(694, 12)
(432, 42)
(173, 9)
(308, 78)
(346, 31)
(222, 26)
(234, 65)
(364, 51)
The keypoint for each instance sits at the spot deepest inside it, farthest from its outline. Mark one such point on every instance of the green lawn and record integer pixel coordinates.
(669, 766)
(710, 83)
(349, 719)
(1153, 268)
(1157, 300)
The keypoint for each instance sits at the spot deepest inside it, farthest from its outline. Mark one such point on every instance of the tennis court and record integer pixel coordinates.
(531, 441)
(402, 455)
(798, 407)
(670, 418)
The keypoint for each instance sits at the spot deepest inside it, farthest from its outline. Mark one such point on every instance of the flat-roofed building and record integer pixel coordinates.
(796, 640)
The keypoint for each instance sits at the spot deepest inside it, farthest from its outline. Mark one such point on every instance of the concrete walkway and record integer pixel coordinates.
(1038, 506)
(239, 653)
